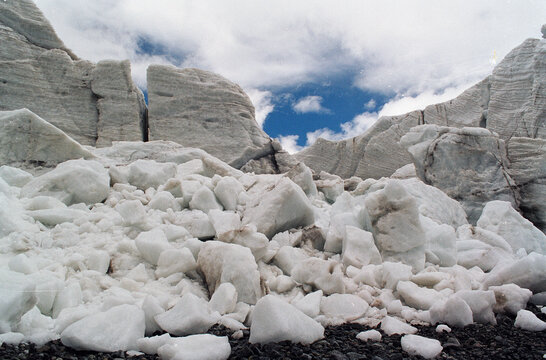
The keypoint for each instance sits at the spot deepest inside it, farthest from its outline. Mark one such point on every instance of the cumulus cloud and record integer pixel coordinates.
(358, 125)
(403, 104)
(370, 104)
(290, 143)
(394, 47)
(397, 106)
(262, 101)
(309, 104)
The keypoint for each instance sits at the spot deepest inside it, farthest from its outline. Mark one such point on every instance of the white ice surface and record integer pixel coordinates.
(369, 335)
(347, 307)
(190, 315)
(72, 182)
(224, 299)
(116, 329)
(152, 248)
(510, 298)
(196, 347)
(391, 325)
(454, 312)
(526, 320)
(275, 320)
(310, 304)
(501, 218)
(422, 346)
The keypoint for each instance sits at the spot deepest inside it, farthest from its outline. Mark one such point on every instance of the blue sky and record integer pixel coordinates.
(313, 106)
(311, 67)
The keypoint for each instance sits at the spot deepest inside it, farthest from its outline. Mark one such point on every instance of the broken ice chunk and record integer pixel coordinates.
(274, 320)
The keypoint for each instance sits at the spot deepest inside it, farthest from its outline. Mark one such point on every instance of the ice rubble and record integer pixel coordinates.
(177, 241)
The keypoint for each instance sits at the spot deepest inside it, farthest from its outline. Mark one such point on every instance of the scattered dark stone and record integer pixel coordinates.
(451, 342)
(476, 341)
(336, 355)
(355, 356)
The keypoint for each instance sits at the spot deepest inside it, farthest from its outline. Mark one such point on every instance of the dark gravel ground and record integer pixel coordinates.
(476, 341)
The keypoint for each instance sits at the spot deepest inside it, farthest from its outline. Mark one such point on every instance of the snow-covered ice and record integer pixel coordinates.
(224, 298)
(422, 346)
(103, 246)
(190, 315)
(274, 320)
(526, 320)
(231, 263)
(310, 303)
(443, 328)
(346, 307)
(72, 182)
(180, 247)
(391, 325)
(454, 312)
(118, 328)
(196, 347)
(369, 335)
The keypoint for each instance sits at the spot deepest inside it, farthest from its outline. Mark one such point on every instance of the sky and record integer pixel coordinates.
(312, 68)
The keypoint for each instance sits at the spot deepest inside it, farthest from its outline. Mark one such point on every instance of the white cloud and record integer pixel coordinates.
(395, 47)
(417, 52)
(262, 101)
(309, 104)
(370, 104)
(397, 106)
(290, 143)
(404, 104)
(358, 125)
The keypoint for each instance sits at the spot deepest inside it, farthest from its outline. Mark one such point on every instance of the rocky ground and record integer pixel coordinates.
(475, 341)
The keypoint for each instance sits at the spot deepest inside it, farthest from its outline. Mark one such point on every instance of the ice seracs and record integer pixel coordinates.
(396, 225)
(468, 164)
(513, 88)
(528, 169)
(193, 107)
(92, 103)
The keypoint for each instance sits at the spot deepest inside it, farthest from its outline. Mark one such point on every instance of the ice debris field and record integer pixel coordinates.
(103, 253)
(110, 242)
